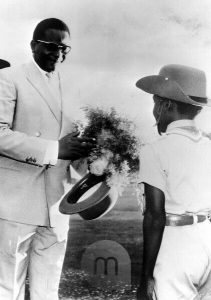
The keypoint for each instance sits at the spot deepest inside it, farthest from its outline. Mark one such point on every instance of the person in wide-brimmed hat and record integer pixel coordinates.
(176, 171)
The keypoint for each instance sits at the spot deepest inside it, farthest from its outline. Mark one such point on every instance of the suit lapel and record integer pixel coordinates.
(67, 122)
(63, 125)
(36, 79)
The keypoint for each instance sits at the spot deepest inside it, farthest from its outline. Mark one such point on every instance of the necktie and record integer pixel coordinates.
(53, 83)
(49, 76)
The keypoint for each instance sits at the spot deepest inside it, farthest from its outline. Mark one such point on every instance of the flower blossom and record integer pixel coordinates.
(99, 166)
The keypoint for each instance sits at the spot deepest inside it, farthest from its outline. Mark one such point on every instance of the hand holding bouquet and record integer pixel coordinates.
(116, 150)
(114, 158)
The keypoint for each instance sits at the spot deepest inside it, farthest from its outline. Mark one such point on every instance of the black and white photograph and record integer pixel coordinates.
(105, 150)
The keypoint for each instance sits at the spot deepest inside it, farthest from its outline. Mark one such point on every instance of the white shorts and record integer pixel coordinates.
(183, 266)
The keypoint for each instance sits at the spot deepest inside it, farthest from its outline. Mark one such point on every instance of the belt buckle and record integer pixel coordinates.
(195, 219)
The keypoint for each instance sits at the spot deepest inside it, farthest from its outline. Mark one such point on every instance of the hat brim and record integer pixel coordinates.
(95, 206)
(4, 64)
(166, 88)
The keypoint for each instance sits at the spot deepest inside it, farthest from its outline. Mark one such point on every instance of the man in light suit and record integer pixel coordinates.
(36, 147)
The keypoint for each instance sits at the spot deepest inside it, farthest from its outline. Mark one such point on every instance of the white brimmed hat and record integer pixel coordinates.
(179, 83)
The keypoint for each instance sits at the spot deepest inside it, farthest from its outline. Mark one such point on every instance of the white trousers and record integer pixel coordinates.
(183, 266)
(35, 248)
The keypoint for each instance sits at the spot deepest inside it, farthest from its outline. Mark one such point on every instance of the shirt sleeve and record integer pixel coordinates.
(151, 171)
(51, 154)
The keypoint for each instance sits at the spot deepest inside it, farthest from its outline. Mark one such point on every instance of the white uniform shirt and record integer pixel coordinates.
(179, 164)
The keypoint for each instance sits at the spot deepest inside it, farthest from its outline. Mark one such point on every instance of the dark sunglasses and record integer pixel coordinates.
(50, 46)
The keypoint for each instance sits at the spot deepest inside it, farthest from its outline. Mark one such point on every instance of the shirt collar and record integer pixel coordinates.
(186, 128)
(180, 123)
(42, 71)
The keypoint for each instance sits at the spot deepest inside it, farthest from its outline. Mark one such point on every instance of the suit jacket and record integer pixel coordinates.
(29, 117)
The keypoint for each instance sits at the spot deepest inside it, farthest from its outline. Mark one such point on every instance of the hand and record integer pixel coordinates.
(72, 147)
(145, 291)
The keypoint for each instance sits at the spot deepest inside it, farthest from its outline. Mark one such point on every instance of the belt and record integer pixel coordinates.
(182, 220)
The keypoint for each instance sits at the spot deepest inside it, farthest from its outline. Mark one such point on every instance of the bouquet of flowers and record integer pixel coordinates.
(116, 151)
(112, 164)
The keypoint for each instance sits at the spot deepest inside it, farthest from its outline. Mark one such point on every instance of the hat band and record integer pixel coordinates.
(199, 99)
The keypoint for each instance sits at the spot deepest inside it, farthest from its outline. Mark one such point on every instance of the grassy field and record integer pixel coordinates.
(121, 226)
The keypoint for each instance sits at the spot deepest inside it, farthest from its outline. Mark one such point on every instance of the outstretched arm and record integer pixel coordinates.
(24, 145)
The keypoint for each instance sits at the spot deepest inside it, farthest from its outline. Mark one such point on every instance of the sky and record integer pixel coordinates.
(114, 43)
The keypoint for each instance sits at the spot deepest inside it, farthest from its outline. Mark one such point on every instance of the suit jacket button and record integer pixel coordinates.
(38, 133)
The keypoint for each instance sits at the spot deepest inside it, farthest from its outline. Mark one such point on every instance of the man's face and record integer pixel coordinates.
(156, 108)
(48, 55)
(161, 113)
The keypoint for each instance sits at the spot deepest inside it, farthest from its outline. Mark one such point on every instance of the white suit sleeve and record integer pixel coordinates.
(15, 144)
(51, 155)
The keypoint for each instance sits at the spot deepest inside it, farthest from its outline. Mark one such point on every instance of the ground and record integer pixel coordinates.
(123, 227)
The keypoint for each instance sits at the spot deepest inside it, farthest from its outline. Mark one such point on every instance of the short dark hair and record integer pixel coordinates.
(191, 110)
(186, 108)
(51, 23)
